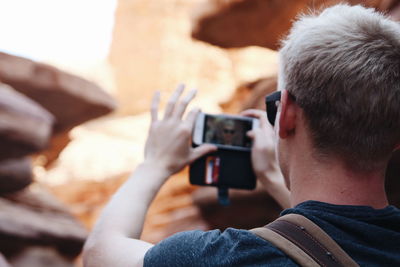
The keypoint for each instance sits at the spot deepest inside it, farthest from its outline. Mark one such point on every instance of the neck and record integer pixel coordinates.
(332, 182)
(327, 180)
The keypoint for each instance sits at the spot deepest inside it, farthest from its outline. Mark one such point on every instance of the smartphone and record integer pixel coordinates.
(225, 131)
(224, 169)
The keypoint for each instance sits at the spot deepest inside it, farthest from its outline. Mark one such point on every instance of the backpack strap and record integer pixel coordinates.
(304, 242)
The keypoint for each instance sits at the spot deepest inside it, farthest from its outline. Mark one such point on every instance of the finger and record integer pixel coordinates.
(180, 109)
(250, 134)
(191, 117)
(172, 100)
(154, 106)
(202, 150)
(256, 113)
(256, 136)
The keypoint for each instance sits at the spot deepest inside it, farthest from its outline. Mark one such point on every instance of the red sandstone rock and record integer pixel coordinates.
(25, 126)
(241, 23)
(33, 217)
(250, 95)
(40, 256)
(72, 100)
(394, 9)
(56, 145)
(15, 174)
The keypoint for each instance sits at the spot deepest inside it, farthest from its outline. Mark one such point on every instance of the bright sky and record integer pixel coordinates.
(57, 30)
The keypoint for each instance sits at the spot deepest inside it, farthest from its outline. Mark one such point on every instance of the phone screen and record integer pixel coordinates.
(222, 130)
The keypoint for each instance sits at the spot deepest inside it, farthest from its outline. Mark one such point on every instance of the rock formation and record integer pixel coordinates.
(25, 126)
(250, 95)
(152, 50)
(70, 99)
(241, 23)
(34, 219)
(39, 103)
(15, 174)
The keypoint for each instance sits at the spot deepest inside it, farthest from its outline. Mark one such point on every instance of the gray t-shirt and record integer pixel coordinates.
(370, 236)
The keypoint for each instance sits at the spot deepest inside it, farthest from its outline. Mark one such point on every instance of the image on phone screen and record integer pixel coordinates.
(227, 131)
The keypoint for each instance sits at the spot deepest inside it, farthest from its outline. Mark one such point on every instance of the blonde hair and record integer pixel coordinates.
(343, 68)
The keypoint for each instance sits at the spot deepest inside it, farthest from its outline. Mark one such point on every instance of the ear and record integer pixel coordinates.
(287, 119)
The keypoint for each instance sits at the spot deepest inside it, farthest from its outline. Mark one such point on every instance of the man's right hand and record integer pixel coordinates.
(168, 143)
(263, 150)
(263, 158)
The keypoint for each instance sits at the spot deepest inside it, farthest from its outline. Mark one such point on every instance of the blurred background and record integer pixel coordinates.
(76, 81)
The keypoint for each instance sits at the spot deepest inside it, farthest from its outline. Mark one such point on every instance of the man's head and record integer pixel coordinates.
(342, 68)
(228, 132)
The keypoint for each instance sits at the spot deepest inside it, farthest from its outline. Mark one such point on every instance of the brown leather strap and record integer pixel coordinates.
(321, 237)
(290, 249)
(308, 237)
(299, 236)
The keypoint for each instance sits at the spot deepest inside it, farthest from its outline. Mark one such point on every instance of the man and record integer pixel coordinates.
(337, 124)
(227, 135)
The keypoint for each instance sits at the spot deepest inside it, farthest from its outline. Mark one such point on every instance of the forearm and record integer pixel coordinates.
(115, 238)
(126, 211)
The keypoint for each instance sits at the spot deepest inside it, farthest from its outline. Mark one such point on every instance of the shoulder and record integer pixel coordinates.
(216, 248)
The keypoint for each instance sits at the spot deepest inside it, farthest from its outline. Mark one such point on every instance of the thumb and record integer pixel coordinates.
(201, 151)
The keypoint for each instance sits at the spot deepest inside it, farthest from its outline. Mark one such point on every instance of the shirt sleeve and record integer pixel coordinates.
(212, 248)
